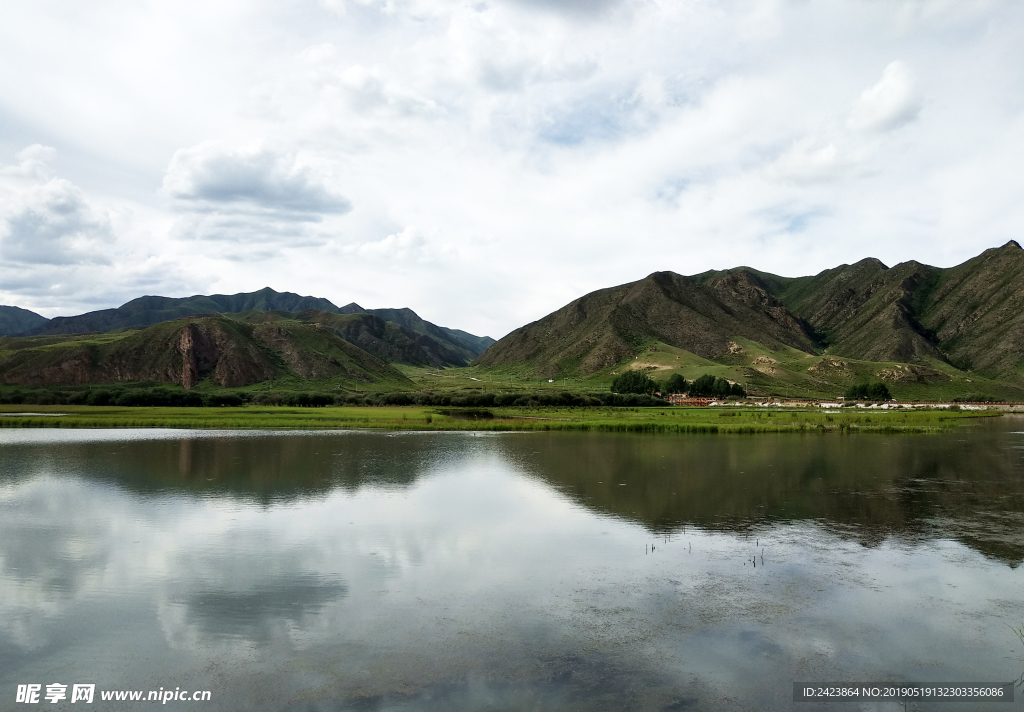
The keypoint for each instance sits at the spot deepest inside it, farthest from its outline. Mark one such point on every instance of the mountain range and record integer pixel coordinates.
(931, 320)
(232, 340)
(910, 324)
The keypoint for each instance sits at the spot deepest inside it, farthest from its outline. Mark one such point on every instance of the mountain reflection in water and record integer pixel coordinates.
(428, 571)
(869, 487)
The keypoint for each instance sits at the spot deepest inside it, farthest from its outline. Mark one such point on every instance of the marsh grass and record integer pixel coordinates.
(1019, 632)
(640, 420)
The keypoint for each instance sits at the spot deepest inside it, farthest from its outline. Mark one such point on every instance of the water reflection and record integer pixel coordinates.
(870, 487)
(519, 571)
(262, 613)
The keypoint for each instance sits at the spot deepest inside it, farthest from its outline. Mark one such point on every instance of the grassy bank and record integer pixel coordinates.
(665, 420)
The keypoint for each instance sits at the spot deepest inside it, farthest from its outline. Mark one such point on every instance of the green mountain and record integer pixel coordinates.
(458, 347)
(911, 323)
(15, 320)
(971, 315)
(439, 346)
(387, 340)
(149, 310)
(223, 351)
(609, 326)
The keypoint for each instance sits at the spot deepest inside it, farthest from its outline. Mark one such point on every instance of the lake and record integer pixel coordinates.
(508, 571)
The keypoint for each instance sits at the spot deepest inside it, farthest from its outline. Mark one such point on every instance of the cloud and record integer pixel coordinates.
(265, 613)
(409, 245)
(570, 7)
(807, 162)
(33, 163)
(63, 251)
(889, 103)
(50, 222)
(242, 197)
(212, 177)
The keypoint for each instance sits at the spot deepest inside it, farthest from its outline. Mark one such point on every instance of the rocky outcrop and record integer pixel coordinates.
(909, 373)
(196, 355)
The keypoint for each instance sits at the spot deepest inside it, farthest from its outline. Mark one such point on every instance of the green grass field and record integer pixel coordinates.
(787, 373)
(655, 420)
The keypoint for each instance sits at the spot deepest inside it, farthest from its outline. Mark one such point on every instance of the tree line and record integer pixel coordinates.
(706, 386)
(868, 392)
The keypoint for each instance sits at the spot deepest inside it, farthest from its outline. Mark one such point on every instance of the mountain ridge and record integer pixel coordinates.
(452, 348)
(15, 320)
(968, 316)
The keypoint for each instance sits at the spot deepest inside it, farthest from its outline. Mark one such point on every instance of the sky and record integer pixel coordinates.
(487, 162)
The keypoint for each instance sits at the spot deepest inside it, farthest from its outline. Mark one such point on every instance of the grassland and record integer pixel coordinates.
(651, 420)
(786, 372)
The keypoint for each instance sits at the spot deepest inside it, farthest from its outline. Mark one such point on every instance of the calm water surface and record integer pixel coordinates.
(527, 571)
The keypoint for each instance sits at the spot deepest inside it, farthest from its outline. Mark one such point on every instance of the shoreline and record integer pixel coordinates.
(740, 420)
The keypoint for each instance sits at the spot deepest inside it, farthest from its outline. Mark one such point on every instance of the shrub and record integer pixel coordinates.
(708, 386)
(975, 398)
(675, 384)
(222, 400)
(160, 396)
(474, 400)
(100, 397)
(868, 391)
(634, 382)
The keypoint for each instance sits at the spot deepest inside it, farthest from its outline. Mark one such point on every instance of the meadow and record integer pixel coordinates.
(726, 419)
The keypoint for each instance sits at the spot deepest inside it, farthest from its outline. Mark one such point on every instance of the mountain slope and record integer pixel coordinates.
(968, 316)
(446, 347)
(976, 311)
(862, 311)
(971, 314)
(15, 320)
(610, 325)
(463, 346)
(467, 345)
(386, 340)
(229, 352)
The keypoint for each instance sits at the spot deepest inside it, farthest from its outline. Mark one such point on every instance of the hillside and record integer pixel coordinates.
(459, 347)
(959, 329)
(387, 340)
(976, 311)
(15, 320)
(971, 315)
(438, 345)
(608, 326)
(226, 352)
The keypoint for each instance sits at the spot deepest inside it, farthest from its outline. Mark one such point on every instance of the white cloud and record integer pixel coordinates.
(33, 163)
(64, 252)
(253, 196)
(46, 220)
(409, 245)
(210, 176)
(807, 161)
(888, 104)
(53, 224)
